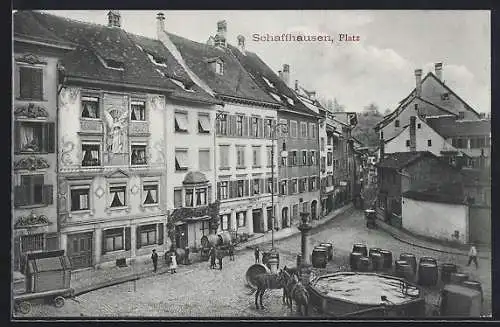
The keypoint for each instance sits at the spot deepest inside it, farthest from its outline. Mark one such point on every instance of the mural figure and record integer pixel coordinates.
(116, 122)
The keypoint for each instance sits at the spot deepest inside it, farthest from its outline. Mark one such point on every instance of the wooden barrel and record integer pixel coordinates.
(410, 259)
(374, 250)
(408, 273)
(427, 259)
(387, 255)
(427, 274)
(353, 260)
(398, 267)
(360, 248)
(329, 247)
(364, 264)
(460, 301)
(475, 285)
(273, 264)
(319, 257)
(225, 239)
(446, 270)
(255, 270)
(377, 261)
(210, 240)
(458, 278)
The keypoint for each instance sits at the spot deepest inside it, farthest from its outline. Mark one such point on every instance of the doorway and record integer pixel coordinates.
(79, 249)
(314, 206)
(181, 236)
(270, 218)
(258, 223)
(284, 217)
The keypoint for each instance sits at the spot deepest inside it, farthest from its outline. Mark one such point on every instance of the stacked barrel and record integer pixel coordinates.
(358, 259)
(321, 254)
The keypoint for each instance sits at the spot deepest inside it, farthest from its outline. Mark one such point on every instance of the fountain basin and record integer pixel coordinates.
(347, 293)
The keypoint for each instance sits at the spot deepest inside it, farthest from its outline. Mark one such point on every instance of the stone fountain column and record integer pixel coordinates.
(305, 266)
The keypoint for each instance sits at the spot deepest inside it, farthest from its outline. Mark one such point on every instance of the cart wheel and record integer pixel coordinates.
(59, 302)
(23, 307)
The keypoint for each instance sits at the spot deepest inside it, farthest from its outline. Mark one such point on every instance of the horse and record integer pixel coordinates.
(294, 290)
(292, 271)
(264, 282)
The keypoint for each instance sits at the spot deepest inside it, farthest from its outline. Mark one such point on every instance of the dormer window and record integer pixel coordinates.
(445, 96)
(461, 115)
(181, 84)
(157, 61)
(115, 64)
(396, 123)
(219, 67)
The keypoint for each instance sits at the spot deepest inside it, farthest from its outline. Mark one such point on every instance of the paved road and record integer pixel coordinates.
(199, 291)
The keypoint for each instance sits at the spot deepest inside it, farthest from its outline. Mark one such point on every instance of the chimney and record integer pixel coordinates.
(413, 138)
(114, 18)
(286, 74)
(211, 41)
(220, 37)
(280, 74)
(382, 150)
(296, 85)
(241, 43)
(438, 70)
(160, 24)
(418, 80)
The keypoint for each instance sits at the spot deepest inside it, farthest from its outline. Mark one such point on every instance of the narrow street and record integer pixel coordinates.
(199, 291)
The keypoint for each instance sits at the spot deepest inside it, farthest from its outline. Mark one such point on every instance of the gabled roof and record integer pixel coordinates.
(267, 79)
(235, 82)
(450, 127)
(444, 194)
(398, 160)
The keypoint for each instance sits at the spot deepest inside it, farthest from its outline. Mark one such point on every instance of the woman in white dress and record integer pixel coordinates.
(173, 263)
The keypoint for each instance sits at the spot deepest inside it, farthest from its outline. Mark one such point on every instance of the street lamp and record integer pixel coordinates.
(274, 129)
(219, 117)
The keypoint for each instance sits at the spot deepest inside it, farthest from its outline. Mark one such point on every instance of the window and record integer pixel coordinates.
(429, 142)
(240, 156)
(329, 158)
(269, 183)
(32, 190)
(312, 131)
(224, 222)
(222, 124)
(32, 242)
(90, 106)
(138, 156)
(330, 140)
(396, 123)
(313, 158)
(445, 96)
(382, 135)
(204, 159)
(80, 198)
(224, 156)
(268, 123)
(255, 127)
(283, 161)
(283, 187)
(203, 123)
(304, 157)
(256, 186)
(189, 198)
(256, 156)
(295, 186)
(407, 142)
(461, 115)
(313, 182)
(114, 239)
(219, 67)
(322, 144)
(239, 125)
(31, 83)
(181, 122)
(284, 127)
(419, 125)
(241, 218)
(118, 196)
(91, 154)
(240, 188)
(323, 164)
(137, 110)
(223, 190)
(148, 235)
(305, 207)
(181, 160)
(295, 211)
(177, 198)
(294, 158)
(201, 196)
(293, 128)
(303, 185)
(269, 155)
(151, 194)
(303, 130)
(32, 137)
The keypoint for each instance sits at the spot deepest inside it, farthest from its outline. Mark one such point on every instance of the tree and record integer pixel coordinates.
(337, 107)
(372, 109)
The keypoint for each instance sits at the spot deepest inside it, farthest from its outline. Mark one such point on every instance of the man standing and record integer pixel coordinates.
(231, 252)
(212, 257)
(472, 255)
(219, 256)
(154, 257)
(257, 254)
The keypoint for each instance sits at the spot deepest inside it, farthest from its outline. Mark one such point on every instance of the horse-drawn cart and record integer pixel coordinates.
(220, 241)
(47, 276)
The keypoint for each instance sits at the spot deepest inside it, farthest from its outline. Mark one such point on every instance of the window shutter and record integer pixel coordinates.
(218, 190)
(289, 159)
(26, 82)
(209, 195)
(51, 137)
(138, 237)
(217, 126)
(19, 196)
(246, 186)
(127, 238)
(103, 243)
(263, 186)
(290, 187)
(276, 186)
(245, 126)
(230, 190)
(261, 127)
(48, 194)
(37, 84)
(233, 125)
(17, 139)
(160, 233)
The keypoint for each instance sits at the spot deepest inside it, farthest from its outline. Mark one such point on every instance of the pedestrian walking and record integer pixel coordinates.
(472, 255)
(231, 252)
(212, 257)
(257, 254)
(154, 258)
(173, 263)
(220, 255)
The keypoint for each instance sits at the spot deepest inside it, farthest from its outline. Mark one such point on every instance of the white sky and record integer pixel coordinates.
(379, 68)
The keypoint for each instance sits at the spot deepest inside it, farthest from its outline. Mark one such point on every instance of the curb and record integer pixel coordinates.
(399, 238)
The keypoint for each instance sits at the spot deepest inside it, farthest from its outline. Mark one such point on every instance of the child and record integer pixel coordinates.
(173, 263)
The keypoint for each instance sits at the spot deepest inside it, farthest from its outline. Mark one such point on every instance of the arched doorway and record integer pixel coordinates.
(284, 218)
(314, 206)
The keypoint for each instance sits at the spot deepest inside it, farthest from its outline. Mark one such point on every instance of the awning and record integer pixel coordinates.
(195, 219)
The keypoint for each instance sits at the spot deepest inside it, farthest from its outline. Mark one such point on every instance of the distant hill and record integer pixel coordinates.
(363, 131)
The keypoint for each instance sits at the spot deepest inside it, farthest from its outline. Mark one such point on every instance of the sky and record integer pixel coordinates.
(379, 68)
